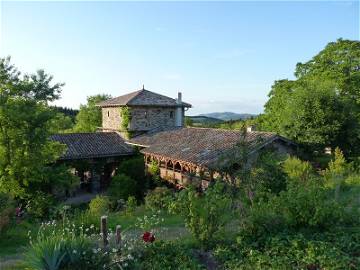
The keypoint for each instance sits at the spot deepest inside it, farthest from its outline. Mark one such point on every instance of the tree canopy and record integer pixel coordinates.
(321, 107)
(25, 127)
(89, 117)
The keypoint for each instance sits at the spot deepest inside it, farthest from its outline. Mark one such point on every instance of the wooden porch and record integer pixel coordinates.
(180, 173)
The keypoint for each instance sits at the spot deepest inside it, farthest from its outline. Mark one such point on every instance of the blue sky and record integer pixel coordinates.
(223, 56)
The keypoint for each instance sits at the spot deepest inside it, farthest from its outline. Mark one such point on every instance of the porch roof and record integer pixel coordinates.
(93, 145)
(200, 146)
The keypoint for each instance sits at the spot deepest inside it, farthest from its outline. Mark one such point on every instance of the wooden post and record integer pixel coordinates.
(118, 235)
(104, 231)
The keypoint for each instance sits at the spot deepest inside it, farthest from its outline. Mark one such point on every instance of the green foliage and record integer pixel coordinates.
(64, 246)
(25, 121)
(335, 173)
(7, 210)
(336, 249)
(40, 205)
(297, 170)
(61, 123)
(131, 204)
(168, 255)
(122, 187)
(159, 198)
(188, 121)
(205, 214)
(89, 117)
(99, 206)
(321, 107)
(125, 115)
(135, 168)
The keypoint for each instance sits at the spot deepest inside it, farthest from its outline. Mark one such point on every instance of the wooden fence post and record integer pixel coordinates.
(104, 231)
(118, 235)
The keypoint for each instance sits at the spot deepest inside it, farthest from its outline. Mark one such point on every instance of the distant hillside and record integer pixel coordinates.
(204, 120)
(226, 116)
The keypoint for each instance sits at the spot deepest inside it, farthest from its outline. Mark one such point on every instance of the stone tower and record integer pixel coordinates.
(142, 111)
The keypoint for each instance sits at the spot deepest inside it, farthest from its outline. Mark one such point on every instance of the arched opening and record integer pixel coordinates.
(169, 165)
(177, 167)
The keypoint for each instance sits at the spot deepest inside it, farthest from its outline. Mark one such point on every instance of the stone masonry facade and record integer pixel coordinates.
(143, 118)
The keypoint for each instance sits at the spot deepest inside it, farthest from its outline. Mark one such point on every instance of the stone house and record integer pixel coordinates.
(155, 124)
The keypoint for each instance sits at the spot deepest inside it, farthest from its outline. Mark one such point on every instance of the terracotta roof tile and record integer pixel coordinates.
(93, 145)
(142, 98)
(202, 146)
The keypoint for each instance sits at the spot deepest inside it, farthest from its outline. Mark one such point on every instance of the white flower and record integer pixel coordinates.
(114, 250)
(74, 251)
(92, 226)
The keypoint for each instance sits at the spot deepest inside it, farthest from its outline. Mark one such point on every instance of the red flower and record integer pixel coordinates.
(148, 237)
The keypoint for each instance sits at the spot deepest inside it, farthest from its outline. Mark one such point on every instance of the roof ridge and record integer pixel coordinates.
(138, 92)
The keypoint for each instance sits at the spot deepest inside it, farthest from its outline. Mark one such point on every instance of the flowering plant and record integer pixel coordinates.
(148, 237)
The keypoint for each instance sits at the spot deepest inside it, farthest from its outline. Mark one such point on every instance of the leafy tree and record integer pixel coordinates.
(61, 123)
(89, 117)
(322, 106)
(25, 121)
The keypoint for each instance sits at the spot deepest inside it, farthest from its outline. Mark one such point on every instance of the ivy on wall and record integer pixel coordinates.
(125, 114)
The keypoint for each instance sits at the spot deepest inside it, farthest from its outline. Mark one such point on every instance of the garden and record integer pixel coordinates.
(293, 218)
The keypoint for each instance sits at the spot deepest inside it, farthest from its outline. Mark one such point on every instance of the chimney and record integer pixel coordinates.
(179, 114)
(179, 99)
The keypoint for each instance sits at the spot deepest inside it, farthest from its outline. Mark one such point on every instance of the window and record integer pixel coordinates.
(108, 113)
(146, 114)
(171, 114)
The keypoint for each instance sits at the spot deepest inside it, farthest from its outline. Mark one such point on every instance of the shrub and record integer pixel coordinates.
(337, 249)
(205, 214)
(135, 168)
(159, 198)
(131, 205)
(40, 205)
(99, 206)
(121, 187)
(7, 210)
(297, 170)
(298, 207)
(168, 255)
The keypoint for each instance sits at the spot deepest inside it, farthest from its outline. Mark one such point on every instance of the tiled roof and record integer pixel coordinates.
(142, 98)
(202, 146)
(93, 145)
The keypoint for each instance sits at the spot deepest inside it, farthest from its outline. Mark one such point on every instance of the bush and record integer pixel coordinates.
(205, 214)
(135, 168)
(337, 249)
(159, 198)
(168, 255)
(7, 210)
(298, 170)
(298, 207)
(131, 205)
(121, 187)
(99, 206)
(40, 205)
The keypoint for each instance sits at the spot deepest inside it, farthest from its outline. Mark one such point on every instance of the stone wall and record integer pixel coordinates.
(142, 118)
(111, 118)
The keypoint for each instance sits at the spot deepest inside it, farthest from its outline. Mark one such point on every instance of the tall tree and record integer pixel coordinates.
(25, 119)
(322, 106)
(89, 117)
